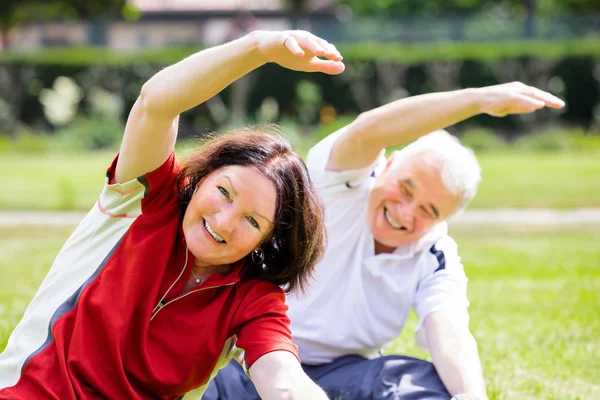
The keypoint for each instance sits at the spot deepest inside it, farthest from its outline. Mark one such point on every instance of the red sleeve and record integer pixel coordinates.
(161, 186)
(262, 323)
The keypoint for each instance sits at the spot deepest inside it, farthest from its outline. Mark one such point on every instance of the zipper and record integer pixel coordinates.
(163, 303)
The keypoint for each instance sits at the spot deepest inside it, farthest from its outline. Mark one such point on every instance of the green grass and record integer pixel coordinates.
(535, 303)
(535, 310)
(552, 180)
(512, 179)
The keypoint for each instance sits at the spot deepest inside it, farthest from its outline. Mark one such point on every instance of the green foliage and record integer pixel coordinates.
(434, 8)
(557, 140)
(19, 12)
(28, 142)
(482, 139)
(364, 51)
(325, 129)
(92, 133)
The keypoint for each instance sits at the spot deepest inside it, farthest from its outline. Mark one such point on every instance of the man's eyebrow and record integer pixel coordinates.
(408, 182)
(231, 184)
(435, 211)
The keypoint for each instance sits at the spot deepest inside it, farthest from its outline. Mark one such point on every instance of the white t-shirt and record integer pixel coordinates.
(359, 301)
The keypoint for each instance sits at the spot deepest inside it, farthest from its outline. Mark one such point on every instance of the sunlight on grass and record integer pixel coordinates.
(535, 310)
(535, 303)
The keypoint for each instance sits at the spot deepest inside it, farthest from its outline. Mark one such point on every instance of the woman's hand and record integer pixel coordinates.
(299, 51)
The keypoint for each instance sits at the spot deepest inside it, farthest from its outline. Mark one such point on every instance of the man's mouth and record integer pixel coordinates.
(391, 221)
(217, 238)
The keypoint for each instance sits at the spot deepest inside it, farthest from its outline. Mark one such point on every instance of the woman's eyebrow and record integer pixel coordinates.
(231, 184)
(235, 193)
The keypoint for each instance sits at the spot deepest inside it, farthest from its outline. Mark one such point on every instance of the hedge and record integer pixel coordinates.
(405, 53)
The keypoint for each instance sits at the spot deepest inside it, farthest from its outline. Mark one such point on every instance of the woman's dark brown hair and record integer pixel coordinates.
(297, 240)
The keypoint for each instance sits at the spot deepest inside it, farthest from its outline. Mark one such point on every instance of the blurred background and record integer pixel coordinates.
(70, 71)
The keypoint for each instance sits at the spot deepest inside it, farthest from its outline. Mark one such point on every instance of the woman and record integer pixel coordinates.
(176, 269)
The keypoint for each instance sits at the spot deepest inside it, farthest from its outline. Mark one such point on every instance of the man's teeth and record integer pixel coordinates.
(213, 233)
(389, 219)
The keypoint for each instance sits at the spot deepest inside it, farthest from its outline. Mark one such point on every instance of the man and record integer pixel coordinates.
(388, 252)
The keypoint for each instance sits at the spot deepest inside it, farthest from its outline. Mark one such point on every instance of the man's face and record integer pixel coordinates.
(408, 199)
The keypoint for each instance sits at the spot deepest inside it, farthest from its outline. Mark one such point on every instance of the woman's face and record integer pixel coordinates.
(229, 215)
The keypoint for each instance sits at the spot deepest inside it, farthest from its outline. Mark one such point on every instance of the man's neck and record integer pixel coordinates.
(383, 249)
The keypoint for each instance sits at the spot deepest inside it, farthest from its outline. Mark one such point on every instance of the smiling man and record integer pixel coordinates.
(389, 252)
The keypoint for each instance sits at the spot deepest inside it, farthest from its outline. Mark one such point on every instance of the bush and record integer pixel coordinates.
(558, 139)
(92, 133)
(28, 142)
(549, 141)
(326, 129)
(482, 139)
(586, 142)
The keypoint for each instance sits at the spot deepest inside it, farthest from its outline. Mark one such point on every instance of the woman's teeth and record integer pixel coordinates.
(213, 233)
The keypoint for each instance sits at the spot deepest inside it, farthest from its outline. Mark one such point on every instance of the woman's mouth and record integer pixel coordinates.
(212, 233)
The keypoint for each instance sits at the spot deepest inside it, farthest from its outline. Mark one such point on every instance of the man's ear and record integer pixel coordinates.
(389, 161)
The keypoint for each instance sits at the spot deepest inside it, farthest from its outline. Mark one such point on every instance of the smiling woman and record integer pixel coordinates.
(177, 269)
(224, 220)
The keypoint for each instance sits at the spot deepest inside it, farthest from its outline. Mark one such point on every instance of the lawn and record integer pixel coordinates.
(535, 303)
(513, 179)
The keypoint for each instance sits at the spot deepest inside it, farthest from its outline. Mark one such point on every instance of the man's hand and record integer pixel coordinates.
(515, 98)
(299, 51)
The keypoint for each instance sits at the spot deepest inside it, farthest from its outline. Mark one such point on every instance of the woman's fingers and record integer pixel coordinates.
(293, 46)
(332, 52)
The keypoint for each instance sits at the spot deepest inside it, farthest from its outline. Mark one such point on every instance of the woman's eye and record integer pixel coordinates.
(253, 223)
(223, 191)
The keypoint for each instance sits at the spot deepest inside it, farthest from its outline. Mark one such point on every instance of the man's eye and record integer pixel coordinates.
(223, 191)
(254, 223)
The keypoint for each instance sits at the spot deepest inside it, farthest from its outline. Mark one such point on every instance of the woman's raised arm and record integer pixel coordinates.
(151, 128)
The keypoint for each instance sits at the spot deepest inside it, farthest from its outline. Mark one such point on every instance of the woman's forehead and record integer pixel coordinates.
(252, 186)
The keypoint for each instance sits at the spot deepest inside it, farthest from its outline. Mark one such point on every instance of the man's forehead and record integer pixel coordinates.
(406, 166)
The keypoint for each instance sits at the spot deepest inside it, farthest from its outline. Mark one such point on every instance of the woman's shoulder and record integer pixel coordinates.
(259, 287)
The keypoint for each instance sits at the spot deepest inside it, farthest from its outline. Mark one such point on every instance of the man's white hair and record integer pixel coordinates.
(458, 165)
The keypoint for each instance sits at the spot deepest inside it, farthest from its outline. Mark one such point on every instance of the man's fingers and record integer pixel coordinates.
(527, 104)
(548, 99)
(293, 46)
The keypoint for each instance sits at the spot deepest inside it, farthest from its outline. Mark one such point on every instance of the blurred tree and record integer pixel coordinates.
(297, 5)
(15, 78)
(437, 8)
(18, 12)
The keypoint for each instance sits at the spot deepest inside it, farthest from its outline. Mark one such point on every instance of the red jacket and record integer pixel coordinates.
(110, 319)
